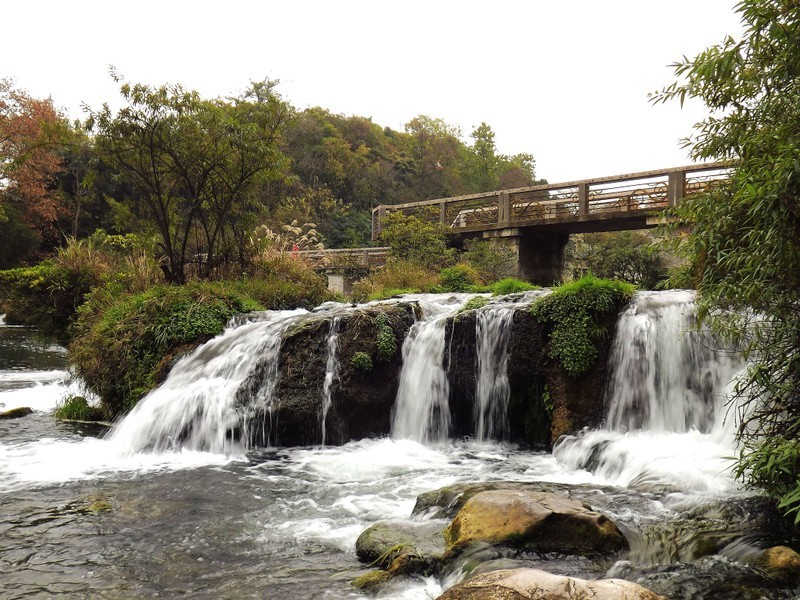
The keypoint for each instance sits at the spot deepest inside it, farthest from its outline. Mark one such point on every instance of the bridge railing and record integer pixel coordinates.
(584, 200)
(345, 257)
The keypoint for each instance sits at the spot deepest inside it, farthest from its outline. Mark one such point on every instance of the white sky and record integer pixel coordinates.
(566, 81)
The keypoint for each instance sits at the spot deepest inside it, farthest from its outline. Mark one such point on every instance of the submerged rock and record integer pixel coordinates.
(533, 584)
(16, 413)
(533, 520)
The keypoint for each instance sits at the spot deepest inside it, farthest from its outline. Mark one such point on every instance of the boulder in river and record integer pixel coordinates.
(533, 520)
(782, 563)
(16, 413)
(533, 584)
(378, 542)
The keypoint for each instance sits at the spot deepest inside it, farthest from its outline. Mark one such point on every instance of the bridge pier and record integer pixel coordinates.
(539, 254)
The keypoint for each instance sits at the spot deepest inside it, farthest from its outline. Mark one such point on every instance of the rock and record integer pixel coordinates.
(533, 520)
(406, 563)
(782, 563)
(16, 413)
(361, 401)
(533, 584)
(384, 540)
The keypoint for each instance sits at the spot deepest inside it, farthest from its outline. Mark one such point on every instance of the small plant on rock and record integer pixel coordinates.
(362, 361)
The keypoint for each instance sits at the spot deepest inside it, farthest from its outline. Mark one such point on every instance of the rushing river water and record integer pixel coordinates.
(82, 515)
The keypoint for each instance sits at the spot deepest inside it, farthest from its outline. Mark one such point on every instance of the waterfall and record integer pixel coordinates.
(493, 330)
(421, 411)
(669, 420)
(331, 373)
(196, 407)
(665, 374)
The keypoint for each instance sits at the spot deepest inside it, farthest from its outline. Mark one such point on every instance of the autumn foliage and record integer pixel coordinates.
(29, 161)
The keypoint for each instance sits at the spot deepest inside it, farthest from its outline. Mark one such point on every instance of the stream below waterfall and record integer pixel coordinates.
(84, 514)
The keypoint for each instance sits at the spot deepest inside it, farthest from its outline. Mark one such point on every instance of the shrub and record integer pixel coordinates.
(459, 278)
(491, 258)
(418, 238)
(574, 312)
(386, 341)
(396, 276)
(362, 361)
(510, 285)
(76, 408)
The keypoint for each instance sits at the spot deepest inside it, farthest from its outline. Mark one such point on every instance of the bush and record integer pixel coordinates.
(574, 313)
(395, 277)
(459, 278)
(386, 342)
(510, 285)
(418, 238)
(362, 361)
(491, 258)
(76, 408)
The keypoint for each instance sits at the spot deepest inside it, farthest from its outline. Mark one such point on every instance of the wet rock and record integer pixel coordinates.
(16, 413)
(710, 578)
(383, 541)
(405, 563)
(530, 584)
(361, 400)
(782, 563)
(533, 520)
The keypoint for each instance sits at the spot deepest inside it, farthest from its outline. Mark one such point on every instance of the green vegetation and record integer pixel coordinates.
(418, 238)
(386, 341)
(491, 258)
(362, 361)
(474, 303)
(511, 285)
(575, 313)
(630, 256)
(743, 240)
(459, 278)
(76, 408)
(121, 343)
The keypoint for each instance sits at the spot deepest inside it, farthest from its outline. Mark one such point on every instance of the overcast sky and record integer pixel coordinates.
(566, 80)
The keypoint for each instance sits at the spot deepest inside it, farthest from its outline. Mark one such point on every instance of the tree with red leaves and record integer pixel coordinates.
(29, 161)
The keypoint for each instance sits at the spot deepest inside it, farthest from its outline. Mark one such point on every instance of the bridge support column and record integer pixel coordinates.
(539, 255)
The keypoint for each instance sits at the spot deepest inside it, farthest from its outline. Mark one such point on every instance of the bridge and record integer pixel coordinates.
(536, 221)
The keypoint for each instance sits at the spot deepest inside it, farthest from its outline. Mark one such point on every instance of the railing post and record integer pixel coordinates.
(443, 212)
(376, 233)
(583, 198)
(504, 209)
(676, 185)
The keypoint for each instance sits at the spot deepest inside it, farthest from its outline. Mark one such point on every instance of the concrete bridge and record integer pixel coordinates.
(535, 222)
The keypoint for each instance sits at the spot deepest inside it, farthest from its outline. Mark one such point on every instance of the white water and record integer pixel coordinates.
(331, 373)
(669, 420)
(421, 411)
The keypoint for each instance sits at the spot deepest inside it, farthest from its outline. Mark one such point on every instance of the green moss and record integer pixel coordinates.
(386, 341)
(76, 408)
(573, 313)
(362, 361)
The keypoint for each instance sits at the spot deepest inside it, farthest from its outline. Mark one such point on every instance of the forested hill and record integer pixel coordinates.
(61, 178)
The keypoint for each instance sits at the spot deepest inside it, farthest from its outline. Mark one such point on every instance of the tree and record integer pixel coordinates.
(744, 242)
(193, 164)
(626, 256)
(418, 238)
(30, 129)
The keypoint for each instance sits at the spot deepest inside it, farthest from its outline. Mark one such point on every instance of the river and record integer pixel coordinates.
(84, 517)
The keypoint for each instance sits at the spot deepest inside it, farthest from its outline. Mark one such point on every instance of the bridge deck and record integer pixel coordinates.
(616, 202)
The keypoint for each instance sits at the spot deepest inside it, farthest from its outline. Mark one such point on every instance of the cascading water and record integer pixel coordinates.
(331, 373)
(196, 407)
(492, 389)
(668, 419)
(421, 411)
